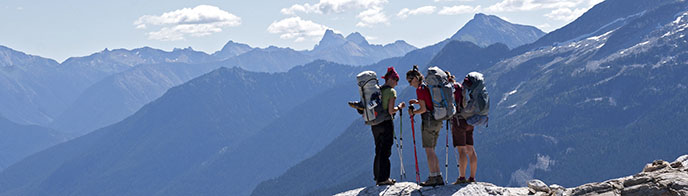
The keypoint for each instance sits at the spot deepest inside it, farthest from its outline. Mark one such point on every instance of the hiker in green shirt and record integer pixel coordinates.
(383, 133)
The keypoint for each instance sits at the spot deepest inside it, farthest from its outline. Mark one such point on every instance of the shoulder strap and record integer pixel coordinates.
(383, 87)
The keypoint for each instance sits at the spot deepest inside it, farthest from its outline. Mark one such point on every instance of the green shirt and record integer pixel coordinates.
(387, 94)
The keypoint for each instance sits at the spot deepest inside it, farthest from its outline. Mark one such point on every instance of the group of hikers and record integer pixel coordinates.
(440, 97)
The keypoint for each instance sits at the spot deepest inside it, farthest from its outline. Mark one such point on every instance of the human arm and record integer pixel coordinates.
(393, 109)
(422, 108)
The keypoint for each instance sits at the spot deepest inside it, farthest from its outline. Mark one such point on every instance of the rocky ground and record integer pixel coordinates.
(657, 178)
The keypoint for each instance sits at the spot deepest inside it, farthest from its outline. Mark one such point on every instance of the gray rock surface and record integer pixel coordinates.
(538, 186)
(657, 178)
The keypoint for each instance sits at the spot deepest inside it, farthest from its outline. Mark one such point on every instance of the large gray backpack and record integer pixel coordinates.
(371, 98)
(477, 106)
(441, 92)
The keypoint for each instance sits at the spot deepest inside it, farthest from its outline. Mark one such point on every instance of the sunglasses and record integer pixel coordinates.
(409, 80)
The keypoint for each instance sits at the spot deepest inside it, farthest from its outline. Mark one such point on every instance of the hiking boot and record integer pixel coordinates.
(460, 180)
(386, 182)
(439, 181)
(429, 182)
(433, 181)
(471, 179)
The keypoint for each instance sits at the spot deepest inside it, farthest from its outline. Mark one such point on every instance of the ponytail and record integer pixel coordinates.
(415, 73)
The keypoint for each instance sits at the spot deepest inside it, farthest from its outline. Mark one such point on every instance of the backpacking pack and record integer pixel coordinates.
(458, 97)
(477, 106)
(371, 98)
(442, 94)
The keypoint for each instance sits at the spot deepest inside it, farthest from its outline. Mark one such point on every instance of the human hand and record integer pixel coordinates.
(401, 105)
(413, 101)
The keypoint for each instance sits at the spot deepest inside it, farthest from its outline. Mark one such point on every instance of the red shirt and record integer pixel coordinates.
(458, 96)
(423, 93)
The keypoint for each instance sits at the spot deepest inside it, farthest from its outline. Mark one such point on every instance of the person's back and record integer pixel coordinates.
(383, 133)
(462, 131)
(477, 106)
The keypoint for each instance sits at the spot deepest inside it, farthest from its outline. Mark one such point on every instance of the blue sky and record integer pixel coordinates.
(68, 28)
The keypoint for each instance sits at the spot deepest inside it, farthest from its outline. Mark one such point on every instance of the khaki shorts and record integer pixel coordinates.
(430, 130)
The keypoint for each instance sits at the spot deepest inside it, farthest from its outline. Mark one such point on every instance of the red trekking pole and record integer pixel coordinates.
(415, 154)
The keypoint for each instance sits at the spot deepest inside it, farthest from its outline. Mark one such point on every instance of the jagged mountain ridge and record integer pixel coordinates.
(484, 30)
(601, 18)
(332, 47)
(231, 49)
(121, 94)
(37, 90)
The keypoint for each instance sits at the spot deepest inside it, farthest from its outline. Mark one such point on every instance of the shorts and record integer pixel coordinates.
(430, 130)
(462, 132)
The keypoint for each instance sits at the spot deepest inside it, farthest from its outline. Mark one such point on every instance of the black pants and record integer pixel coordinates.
(384, 139)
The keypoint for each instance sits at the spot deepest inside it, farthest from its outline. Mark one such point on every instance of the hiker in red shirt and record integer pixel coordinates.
(430, 128)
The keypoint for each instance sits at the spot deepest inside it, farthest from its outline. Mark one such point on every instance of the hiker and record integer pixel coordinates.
(430, 127)
(462, 135)
(383, 133)
(473, 105)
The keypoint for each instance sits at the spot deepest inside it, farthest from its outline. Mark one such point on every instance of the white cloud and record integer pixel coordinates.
(297, 29)
(333, 6)
(421, 10)
(594, 2)
(528, 5)
(453, 0)
(199, 21)
(459, 9)
(372, 10)
(565, 14)
(371, 17)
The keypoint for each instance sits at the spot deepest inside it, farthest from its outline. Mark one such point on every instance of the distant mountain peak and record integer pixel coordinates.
(485, 30)
(481, 15)
(357, 38)
(329, 39)
(231, 49)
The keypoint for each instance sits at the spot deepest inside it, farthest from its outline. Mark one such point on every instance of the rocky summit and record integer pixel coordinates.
(656, 178)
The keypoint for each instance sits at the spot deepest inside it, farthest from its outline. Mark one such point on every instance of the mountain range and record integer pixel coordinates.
(228, 130)
(565, 113)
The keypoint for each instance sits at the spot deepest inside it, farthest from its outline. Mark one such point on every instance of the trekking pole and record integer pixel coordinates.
(446, 156)
(401, 144)
(415, 154)
(402, 172)
(456, 156)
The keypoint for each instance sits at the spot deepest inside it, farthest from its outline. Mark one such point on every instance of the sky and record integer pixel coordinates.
(73, 28)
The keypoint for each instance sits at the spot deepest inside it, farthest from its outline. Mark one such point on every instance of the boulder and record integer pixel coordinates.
(536, 185)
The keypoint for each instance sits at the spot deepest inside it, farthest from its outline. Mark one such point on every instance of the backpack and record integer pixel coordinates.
(477, 107)
(458, 97)
(371, 98)
(442, 94)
